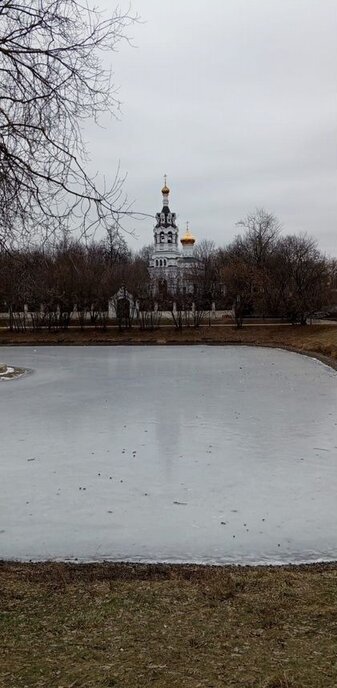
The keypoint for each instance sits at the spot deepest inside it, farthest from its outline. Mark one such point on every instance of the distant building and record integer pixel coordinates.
(169, 263)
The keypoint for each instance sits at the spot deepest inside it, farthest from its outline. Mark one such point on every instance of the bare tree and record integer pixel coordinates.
(145, 253)
(238, 276)
(149, 311)
(247, 264)
(115, 246)
(261, 233)
(13, 279)
(308, 278)
(178, 300)
(203, 274)
(52, 80)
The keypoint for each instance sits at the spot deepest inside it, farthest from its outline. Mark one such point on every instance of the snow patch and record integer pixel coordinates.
(10, 373)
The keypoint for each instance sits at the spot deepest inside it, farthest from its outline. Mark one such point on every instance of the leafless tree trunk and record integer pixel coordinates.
(149, 313)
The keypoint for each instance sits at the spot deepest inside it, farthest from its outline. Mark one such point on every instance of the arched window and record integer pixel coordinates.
(162, 217)
(162, 237)
(170, 238)
(164, 262)
(161, 263)
(168, 219)
(156, 263)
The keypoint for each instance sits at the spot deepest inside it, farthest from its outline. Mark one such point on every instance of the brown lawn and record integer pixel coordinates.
(163, 626)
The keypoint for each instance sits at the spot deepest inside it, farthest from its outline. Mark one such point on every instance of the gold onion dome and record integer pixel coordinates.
(188, 237)
(165, 189)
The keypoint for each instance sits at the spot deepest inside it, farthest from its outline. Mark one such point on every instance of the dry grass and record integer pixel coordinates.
(164, 626)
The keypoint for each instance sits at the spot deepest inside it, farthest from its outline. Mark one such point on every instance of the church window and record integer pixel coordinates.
(156, 263)
(161, 263)
(162, 217)
(170, 238)
(164, 262)
(162, 237)
(169, 219)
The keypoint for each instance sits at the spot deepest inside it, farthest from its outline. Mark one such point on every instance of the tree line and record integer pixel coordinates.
(277, 275)
(46, 286)
(260, 273)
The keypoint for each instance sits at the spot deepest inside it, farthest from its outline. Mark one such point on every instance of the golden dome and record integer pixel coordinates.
(165, 189)
(188, 237)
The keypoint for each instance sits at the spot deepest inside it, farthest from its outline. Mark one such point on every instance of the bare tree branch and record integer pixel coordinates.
(52, 80)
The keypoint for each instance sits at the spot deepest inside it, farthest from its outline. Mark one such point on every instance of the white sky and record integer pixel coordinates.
(236, 101)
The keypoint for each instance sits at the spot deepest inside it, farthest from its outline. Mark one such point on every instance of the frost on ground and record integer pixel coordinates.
(200, 454)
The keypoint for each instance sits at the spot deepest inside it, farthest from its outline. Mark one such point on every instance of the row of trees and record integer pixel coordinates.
(260, 273)
(276, 275)
(43, 287)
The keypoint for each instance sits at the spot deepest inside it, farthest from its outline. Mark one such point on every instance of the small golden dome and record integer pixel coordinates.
(165, 189)
(188, 237)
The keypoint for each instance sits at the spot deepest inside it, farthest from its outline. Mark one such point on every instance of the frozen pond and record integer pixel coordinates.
(200, 454)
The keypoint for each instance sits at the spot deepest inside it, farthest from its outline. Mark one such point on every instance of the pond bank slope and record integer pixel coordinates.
(318, 340)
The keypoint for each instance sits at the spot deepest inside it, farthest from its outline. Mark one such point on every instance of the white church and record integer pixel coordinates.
(169, 263)
(172, 269)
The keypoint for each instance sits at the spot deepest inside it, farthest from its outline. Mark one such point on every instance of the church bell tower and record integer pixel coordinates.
(165, 233)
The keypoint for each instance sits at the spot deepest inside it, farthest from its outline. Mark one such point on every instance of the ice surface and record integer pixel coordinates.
(200, 454)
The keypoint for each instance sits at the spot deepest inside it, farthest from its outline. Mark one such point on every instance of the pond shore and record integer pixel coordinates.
(314, 340)
(131, 625)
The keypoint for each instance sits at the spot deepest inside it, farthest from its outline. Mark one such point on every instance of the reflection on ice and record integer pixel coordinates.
(219, 454)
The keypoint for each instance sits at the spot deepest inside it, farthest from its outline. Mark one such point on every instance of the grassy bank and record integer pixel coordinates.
(320, 339)
(164, 626)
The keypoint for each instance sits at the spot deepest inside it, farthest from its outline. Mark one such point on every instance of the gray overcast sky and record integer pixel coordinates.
(236, 101)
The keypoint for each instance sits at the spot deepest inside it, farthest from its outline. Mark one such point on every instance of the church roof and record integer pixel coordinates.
(188, 238)
(165, 190)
